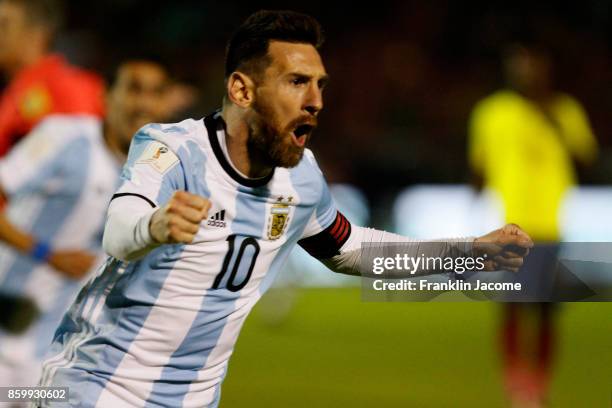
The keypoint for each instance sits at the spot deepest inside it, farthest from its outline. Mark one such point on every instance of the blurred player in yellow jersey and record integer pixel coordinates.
(524, 142)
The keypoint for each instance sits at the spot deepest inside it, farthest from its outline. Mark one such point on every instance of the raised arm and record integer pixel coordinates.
(151, 207)
(342, 246)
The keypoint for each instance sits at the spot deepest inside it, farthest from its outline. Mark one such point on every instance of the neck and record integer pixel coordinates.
(29, 56)
(237, 134)
(538, 95)
(111, 138)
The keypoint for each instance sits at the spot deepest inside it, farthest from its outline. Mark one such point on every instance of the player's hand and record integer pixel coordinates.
(72, 263)
(179, 220)
(505, 248)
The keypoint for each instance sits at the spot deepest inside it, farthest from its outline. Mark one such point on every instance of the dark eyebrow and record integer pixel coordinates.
(324, 80)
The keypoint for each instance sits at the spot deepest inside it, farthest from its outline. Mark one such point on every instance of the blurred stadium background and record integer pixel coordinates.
(392, 139)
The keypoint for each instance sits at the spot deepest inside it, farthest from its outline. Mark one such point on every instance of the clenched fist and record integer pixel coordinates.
(179, 220)
(505, 248)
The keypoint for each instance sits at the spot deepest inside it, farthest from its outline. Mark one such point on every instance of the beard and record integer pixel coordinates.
(273, 142)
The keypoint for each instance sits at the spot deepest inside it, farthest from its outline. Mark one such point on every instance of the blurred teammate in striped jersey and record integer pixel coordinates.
(58, 181)
(206, 214)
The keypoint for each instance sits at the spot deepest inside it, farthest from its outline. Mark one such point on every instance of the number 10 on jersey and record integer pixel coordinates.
(240, 261)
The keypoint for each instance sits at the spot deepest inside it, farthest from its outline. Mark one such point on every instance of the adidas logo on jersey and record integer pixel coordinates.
(217, 220)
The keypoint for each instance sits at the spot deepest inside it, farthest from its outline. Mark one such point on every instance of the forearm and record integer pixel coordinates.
(368, 243)
(126, 233)
(14, 237)
(9, 233)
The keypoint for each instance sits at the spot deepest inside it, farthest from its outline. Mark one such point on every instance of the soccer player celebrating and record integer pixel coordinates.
(207, 212)
(59, 180)
(41, 83)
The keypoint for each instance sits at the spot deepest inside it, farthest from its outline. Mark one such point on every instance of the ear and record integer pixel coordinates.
(241, 89)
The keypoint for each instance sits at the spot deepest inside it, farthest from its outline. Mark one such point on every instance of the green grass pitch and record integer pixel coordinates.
(333, 350)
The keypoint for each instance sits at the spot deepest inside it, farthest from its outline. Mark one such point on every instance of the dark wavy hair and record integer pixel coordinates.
(247, 49)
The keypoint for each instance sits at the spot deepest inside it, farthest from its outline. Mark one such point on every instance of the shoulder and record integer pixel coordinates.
(71, 121)
(67, 128)
(498, 109)
(499, 100)
(186, 141)
(59, 139)
(162, 145)
(173, 135)
(568, 103)
(307, 175)
(308, 165)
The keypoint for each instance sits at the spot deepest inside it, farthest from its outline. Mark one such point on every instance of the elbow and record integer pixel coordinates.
(111, 245)
(126, 236)
(342, 264)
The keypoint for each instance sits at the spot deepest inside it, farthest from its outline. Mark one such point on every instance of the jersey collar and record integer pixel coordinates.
(213, 123)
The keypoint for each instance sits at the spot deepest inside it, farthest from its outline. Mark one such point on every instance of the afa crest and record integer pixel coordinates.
(278, 220)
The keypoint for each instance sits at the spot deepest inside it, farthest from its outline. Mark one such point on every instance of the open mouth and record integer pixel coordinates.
(300, 134)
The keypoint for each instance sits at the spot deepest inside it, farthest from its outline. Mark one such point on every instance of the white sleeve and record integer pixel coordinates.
(126, 233)
(342, 247)
(349, 258)
(331, 238)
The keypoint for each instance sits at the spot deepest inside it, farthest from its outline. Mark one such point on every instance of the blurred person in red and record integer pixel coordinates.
(524, 143)
(40, 82)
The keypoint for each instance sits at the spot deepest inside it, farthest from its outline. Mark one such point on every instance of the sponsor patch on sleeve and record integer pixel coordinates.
(159, 156)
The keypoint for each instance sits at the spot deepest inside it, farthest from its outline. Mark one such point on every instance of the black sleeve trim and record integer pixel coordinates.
(327, 243)
(135, 195)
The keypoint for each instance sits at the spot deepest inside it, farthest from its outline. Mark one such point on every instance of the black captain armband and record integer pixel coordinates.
(327, 243)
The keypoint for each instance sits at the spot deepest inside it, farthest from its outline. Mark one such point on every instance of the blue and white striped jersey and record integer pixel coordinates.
(160, 331)
(59, 180)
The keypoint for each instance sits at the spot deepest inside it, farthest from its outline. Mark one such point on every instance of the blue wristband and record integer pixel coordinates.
(41, 251)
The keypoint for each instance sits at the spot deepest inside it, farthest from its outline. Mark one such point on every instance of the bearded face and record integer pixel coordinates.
(280, 145)
(288, 97)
